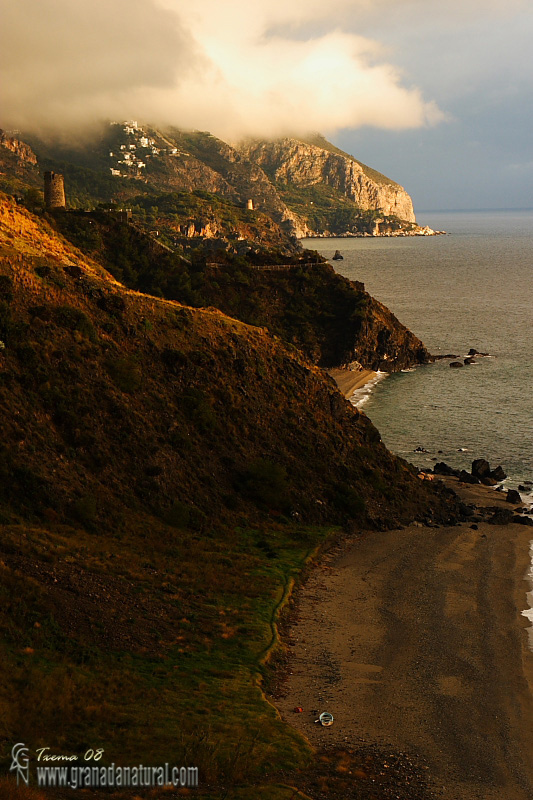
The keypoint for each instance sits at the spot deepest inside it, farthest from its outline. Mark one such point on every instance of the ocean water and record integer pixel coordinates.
(471, 288)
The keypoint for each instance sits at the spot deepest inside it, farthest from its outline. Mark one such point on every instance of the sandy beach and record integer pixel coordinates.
(413, 640)
(349, 380)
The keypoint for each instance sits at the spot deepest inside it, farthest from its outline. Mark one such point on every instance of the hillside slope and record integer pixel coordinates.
(169, 400)
(332, 320)
(163, 472)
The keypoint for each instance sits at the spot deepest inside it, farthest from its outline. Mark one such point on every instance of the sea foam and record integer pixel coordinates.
(360, 396)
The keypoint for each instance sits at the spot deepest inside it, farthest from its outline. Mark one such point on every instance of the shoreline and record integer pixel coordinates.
(349, 381)
(421, 231)
(414, 640)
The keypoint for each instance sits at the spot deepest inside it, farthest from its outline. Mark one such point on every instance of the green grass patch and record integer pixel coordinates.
(152, 644)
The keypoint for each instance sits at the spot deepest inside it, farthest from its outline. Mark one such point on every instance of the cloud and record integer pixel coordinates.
(233, 68)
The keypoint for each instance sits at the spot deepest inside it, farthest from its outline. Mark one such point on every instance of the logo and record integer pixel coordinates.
(21, 762)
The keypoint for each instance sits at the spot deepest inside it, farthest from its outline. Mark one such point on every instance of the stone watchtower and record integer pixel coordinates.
(54, 191)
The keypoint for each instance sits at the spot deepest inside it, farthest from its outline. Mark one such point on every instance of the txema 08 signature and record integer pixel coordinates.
(43, 754)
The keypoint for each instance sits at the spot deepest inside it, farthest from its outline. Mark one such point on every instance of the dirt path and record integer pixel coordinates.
(413, 639)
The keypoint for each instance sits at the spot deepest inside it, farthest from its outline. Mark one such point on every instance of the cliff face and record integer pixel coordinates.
(291, 162)
(332, 320)
(20, 149)
(18, 166)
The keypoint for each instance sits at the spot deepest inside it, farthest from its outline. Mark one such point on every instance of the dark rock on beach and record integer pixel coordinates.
(456, 364)
(522, 520)
(498, 474)
(502, 516)
(513, 496)
(466, 477)
(480, 468)
(466, 511)
(488, 481)
(441, 468)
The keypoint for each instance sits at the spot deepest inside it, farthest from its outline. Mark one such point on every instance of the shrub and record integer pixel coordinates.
(348, 501)
(181, 515)
(125, 373)
(85, 510)
(198, 409)
(112, 303)
(6, 288)
(265, 482)
(74, 319)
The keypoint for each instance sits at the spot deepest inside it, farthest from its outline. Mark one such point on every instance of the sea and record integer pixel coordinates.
(472, 288)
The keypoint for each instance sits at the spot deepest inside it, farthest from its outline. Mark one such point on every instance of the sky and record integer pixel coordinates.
(437, 94)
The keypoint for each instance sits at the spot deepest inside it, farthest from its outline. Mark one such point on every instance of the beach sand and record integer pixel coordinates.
(349, 380)
(413, 640)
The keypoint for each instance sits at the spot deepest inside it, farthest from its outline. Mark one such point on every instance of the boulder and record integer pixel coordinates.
(480, 468)
(466, 511)
(470, 360)
(441, 468)
(498, 474)
(513, 497)
(502, 516)
(466, 477)
(472, 351)
(488, 481)
(456, 364)
(522, 520)
(73, 270)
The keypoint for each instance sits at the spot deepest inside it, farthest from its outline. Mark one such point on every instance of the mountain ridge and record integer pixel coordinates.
(340, 193)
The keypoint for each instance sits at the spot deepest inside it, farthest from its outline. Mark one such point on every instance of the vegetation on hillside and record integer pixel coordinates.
(167, 472)
(327, 209)
(330, 319)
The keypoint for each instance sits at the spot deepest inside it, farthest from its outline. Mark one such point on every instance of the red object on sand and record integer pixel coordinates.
(298, 710)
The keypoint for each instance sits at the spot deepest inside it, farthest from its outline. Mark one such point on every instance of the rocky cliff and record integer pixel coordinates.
(293, 163)
(19, 148)
(18, 166)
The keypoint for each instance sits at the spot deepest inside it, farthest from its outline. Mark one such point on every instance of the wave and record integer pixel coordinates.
(360, 396)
